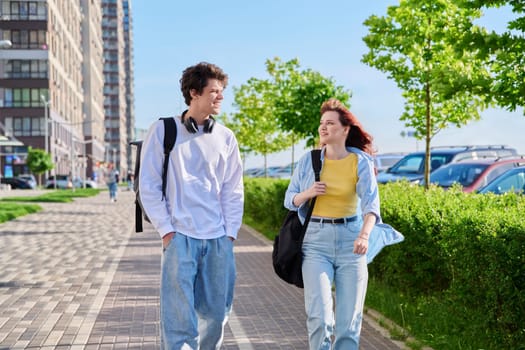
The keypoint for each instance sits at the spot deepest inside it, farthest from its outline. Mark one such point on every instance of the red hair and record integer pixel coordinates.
(357, 136)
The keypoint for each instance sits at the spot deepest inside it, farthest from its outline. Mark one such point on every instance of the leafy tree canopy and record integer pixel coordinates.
(506, 52)
(276, 111)
(38, 160)
(416, 45)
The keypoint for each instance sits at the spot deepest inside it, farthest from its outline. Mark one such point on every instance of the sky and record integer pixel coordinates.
(326, 36)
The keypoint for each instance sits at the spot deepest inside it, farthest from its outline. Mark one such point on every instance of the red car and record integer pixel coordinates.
(474, 174)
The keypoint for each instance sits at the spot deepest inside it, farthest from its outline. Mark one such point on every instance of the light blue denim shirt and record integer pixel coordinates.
(382, 235)
(367, 192)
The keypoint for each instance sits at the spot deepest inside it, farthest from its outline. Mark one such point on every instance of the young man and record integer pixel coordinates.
(200, 216)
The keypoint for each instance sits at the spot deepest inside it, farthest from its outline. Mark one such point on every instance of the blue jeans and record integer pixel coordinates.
(196, 292)
(112, 190)
(328, 259)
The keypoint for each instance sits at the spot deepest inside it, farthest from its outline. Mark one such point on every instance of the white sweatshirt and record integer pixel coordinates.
(204, 192)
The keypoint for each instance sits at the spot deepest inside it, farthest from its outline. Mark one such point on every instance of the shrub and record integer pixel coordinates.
(264, 204)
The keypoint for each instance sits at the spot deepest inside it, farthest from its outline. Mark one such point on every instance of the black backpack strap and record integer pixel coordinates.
(316, 166)
(138, 217)
(138, 208)
(170, 135)
(316, 163)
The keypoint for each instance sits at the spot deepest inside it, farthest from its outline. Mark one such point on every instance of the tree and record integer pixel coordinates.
(506, 52)
(443, 84)
(39, 162)
(255, 124)
(300, 96)
(275, 112)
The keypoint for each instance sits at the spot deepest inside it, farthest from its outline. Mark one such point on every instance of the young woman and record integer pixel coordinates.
(336, 240)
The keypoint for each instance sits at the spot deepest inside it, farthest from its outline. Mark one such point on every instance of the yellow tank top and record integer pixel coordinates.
(340, 199)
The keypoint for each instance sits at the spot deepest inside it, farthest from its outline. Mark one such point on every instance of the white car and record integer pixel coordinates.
(79, 183)
(62, 182)
(386, 160)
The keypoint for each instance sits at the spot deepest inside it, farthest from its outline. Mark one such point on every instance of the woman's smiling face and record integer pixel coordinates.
(331, 131)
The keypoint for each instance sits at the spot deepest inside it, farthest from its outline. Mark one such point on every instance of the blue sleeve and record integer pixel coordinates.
(294, 187)
(367, 189)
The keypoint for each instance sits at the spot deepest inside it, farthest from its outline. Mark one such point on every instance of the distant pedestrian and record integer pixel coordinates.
(111, 177)
(200, 216)
(336, 239)
(129, 180)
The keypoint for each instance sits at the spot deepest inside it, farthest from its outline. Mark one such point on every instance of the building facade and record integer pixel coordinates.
(93, 86)
(65, 68)
(130, 83)
(115, 102)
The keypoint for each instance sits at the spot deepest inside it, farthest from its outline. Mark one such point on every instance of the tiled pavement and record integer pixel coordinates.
(76, 276)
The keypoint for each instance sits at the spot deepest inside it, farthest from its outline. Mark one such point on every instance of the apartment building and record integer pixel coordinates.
(130, 83)
(93, 85)
(115, 99)
(66, 68)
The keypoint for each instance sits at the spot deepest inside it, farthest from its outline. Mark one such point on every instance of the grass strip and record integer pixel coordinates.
(10, 211)
(58, 196)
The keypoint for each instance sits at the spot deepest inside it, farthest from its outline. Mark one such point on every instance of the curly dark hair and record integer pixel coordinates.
(197, 76)
(357, 136)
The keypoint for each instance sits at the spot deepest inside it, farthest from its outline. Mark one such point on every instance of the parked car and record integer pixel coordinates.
(62, 182)
(383, 161)
(412, 166)
(78, 182)
(510, 181)
(276, 172)
(474, 174)
(30, 178)
(16, 183)
(281, 172)
(253, 172)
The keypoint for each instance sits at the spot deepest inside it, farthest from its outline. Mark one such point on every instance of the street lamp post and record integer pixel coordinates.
(72, 161)
(5, 44)
(46, 127)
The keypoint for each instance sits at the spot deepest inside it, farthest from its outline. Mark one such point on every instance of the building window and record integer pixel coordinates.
(23, 69)
(25, 126)
(24, 10)
(28, 39)
(26, 97)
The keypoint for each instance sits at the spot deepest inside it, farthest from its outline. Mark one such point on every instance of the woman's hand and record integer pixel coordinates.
(360, 245)
(361, 242)
(317, 188)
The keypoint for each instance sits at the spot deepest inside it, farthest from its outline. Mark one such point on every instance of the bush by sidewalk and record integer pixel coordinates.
(460, 274)
(263, 204)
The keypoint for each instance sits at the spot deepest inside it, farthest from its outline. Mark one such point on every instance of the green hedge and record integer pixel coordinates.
(465, 250)
(264, 204)
(459, 276)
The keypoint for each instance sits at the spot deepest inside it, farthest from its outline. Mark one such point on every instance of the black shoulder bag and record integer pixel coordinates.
(170, 135)
(287, 255)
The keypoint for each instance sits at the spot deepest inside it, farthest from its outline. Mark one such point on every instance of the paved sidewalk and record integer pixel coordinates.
(77, 276)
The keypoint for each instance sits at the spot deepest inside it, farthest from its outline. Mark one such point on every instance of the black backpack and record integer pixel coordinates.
(287, 254)
(170, 135)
